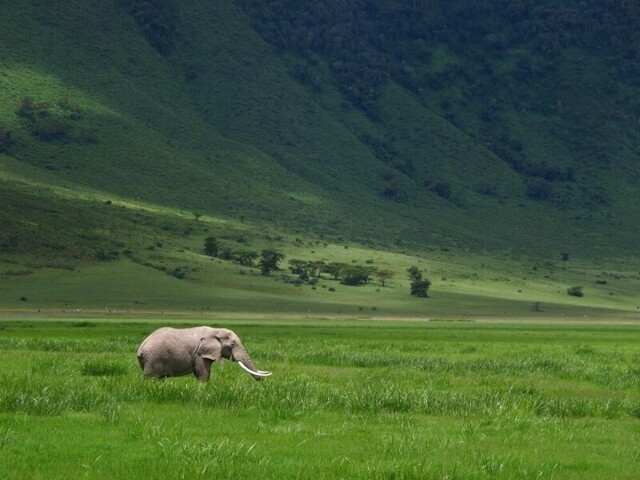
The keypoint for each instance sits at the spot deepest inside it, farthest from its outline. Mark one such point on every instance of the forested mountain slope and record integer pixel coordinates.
(485, 125)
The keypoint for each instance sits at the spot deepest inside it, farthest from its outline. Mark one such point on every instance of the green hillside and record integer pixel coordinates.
(499, 133)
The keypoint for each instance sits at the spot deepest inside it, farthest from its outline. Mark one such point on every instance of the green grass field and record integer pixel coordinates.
(348, 399)
(117, 161)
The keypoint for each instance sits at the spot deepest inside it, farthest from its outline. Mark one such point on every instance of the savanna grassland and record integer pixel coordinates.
(492, 145)
(348, 399)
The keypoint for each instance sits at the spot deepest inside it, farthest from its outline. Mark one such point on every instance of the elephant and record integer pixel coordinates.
(172, 352)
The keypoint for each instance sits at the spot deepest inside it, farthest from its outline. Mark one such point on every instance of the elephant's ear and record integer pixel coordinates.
(210, 348)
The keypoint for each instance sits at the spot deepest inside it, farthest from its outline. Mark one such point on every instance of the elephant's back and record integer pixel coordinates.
(168, 351)
(169, 336)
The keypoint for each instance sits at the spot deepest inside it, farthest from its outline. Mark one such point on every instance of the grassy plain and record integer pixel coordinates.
(348, 399)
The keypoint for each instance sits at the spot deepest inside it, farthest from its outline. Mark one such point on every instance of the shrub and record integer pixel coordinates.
(178, 273)
(158, 23)
(49, 129)
(66, 104)
(5, 140)
(575, 291)
(539, 189)
(106, 256)
(26, 106)
(211, 246)
(86, 135)
(226, 254)
(443, 190)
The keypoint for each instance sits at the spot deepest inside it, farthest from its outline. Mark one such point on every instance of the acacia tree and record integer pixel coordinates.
(306, 269)
(383, 276)
(354, 275)
(246, 257)
(334, 269)
(269, 260)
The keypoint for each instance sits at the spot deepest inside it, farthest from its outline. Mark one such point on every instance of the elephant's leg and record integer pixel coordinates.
(202, 369)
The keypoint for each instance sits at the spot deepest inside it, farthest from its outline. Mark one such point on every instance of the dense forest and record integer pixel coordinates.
(476, 63)
(366, 43)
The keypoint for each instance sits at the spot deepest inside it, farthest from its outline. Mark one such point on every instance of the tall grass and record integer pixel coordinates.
(352, 406)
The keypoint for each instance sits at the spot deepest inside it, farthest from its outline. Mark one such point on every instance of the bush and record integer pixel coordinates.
(26, 106)
(539, 189)
(158, 23)
(179, 273)
(443, 190)
(211, 246)
(65, 104)
(49, 129)
(107, 256)
(575, 291)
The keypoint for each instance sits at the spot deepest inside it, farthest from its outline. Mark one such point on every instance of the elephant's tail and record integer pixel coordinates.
(141, 361)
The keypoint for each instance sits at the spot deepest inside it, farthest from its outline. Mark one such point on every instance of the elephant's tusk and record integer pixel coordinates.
(258, 373)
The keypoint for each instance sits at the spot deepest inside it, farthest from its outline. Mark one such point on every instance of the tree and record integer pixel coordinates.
(354, 275)
(269, 260)
(419, 285)
(306, 269)
(414, 273)
(245, 257)
(334, 269)
(211, 246)
(383, 276)
(299, 267)
(419, 288)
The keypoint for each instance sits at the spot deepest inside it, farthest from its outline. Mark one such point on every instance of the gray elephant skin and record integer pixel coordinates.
(172, 352)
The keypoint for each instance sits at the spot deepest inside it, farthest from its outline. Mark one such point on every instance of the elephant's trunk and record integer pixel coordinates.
(244, 360)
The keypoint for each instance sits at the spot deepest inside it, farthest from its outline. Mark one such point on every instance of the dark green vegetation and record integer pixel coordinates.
(484, 139)
(456, 400)
(274, 161)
